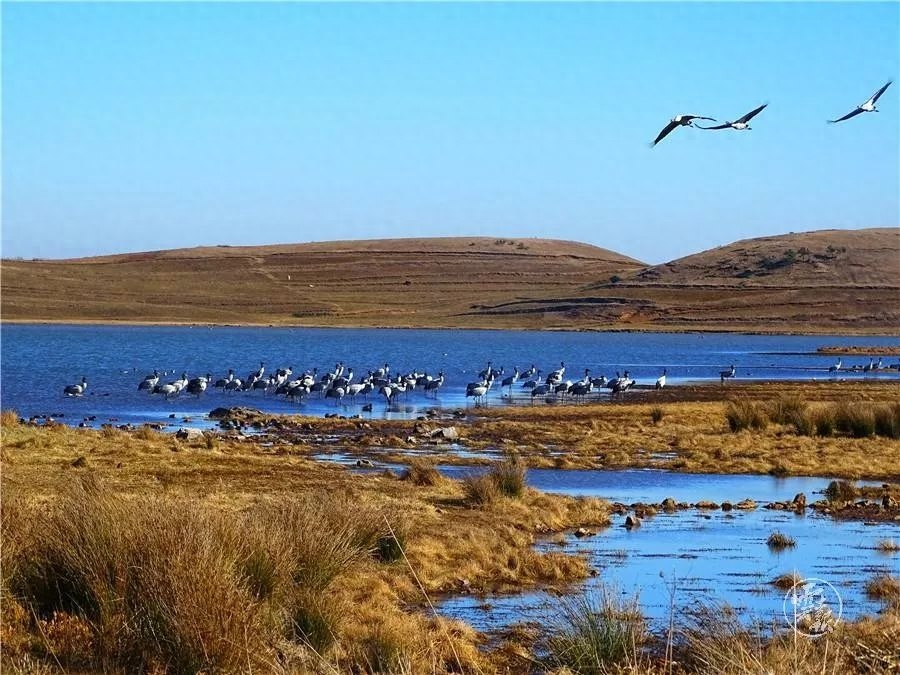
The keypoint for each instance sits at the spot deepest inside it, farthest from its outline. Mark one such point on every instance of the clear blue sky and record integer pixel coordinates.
(131, 127)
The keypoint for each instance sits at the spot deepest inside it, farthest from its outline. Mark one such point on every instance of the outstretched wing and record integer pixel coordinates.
(698, 117)
(665, 132)
(753, 113)
(880, 91)
(847, 116)
(727, 125)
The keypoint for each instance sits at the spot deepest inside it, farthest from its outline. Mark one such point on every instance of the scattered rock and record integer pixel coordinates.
(364, 462)
(668, 505)
(799, 502)
(706, 504)
(632, 522)
(446, 433)
(888, 502)
(726, 506)
(79, 463)
(189, 434)
(746, 505)
(583, 532)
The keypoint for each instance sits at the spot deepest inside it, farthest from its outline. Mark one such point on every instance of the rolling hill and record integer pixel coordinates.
(843, 281)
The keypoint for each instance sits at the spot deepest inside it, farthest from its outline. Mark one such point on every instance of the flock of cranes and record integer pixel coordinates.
(342, 384)
(743, 123)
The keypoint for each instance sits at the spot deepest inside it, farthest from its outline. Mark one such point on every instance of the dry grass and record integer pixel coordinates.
(717, 642)
(779, 541)
(598, 633)
(248, 558)
(888, 545)
(422, 472)
(786, 581)
(695, 437)
(886, 588)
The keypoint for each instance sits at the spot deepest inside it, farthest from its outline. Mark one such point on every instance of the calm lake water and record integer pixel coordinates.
(38, 361)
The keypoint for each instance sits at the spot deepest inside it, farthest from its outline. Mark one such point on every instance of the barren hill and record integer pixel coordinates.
(842, 281)
(393, 282)
(824, 258)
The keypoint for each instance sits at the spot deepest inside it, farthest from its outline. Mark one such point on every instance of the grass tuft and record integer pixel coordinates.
(854, 419)
(9, 418)
(779, 541)
(887, 421)
(888, 545)
(422, 472)
(597, 633)
(744, 414)
(657, 414)
(480, 489)
(786, 409)
(886, 588)
(509, 476)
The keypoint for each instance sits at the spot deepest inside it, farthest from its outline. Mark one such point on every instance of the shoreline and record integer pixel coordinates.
(823, 332)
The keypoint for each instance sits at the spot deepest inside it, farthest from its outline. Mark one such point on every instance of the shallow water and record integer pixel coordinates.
(39, 360)
(704, 555)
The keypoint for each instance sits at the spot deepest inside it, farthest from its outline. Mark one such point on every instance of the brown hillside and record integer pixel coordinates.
(825, 258)
(399, 282)
(828, 281)
(841, 281)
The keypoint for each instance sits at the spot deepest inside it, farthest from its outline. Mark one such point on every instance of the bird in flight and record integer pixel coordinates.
(740, 124)
(678, 121)
(868, 106)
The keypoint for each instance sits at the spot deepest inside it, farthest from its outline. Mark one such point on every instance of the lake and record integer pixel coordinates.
(38, 361)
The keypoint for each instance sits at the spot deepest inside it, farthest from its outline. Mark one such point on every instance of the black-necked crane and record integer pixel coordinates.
(435, 384)
(661, 380)
(388, 392)
(76, 389)
(529, 373)
(868, 106)
(222, 382)
(557, 375)
(510, 380)
(740, 124)
(257, 374)
(336, 393)
(678, 121)
(726, 374)
(581, 389)
(837, 366)
(533, 382)
(197, 385)
(540, 390)
(149, 381)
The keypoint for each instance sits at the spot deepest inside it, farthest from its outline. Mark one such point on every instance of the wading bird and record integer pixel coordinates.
(661, 380)
(741, 124)
(726, 374)
(868, 106)
(678, 121)
(76, 389)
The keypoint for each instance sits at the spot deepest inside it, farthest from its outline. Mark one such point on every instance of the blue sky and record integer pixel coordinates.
(132, 127)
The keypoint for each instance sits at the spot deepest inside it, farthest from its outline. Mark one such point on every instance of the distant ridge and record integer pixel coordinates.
(844, 281)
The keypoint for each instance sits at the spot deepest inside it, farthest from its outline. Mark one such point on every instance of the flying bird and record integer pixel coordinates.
(679, 121)
(740, 124)
(868, 106)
